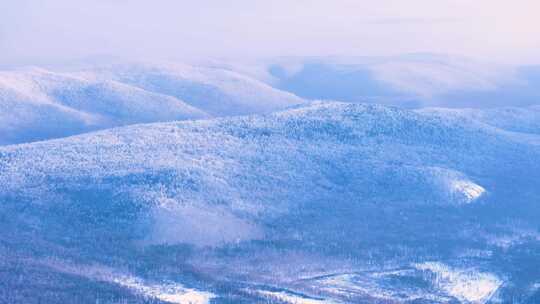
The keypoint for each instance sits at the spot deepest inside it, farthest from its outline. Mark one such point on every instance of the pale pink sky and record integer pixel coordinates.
(41, 30)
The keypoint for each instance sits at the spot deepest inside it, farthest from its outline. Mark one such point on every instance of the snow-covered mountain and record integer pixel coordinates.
(518, 119)
(321, 203)
(217, 91)
(414, 80)
(36, 104)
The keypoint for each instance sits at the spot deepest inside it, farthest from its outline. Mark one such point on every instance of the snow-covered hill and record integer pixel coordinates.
(37, 104)
(414, 80)
(217, 91)
(322, 203)
(517, 119)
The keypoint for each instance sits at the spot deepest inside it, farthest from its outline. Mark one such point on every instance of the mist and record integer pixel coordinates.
(38, 32)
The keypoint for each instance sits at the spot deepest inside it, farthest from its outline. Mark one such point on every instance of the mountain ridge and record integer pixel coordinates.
(36, 104)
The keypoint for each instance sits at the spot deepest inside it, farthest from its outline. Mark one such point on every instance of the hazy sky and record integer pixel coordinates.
(34, 31)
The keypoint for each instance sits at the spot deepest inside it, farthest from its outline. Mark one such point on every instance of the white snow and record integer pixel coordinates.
(468, 189)
(216, 91)
(302, 175)
(513, 119)
(428, 78)
(200, 225)
(371, 284)
(37, 104)
(412, 79)
(291, 298)
(229, 173)
(467, 285)
(168, 292)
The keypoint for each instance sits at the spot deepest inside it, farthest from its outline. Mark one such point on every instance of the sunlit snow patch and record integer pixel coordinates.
(457, 186)
(168, 292)
(468, 286)
(399, 285)
(431, 281)
(291, 298)
(469, 190)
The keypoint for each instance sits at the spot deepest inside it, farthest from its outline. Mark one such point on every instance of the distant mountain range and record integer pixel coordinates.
(37, 104)
(415, 80)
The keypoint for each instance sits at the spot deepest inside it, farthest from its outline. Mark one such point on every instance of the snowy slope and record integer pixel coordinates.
(517, 119)
(326, 203)
(414, 80)
(216, 91)
(37, 104)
